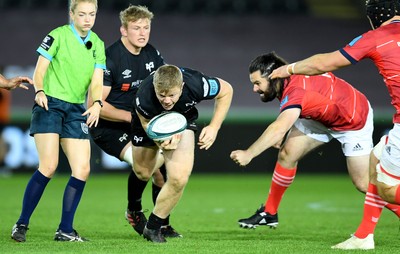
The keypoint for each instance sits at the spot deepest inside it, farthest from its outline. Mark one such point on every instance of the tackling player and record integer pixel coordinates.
(381, 46)
(316, 109)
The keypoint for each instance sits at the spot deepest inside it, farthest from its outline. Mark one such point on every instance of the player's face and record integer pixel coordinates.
(137, 33)
(262, 86)
(83, 17)
(168, 99)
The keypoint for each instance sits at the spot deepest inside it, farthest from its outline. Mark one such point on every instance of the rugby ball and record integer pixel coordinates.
(165, 125)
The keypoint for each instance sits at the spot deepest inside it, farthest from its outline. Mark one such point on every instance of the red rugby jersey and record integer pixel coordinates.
(382, 46)
(327, 99)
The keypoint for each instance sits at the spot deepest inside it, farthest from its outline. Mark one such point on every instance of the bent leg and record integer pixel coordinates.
(295, 148)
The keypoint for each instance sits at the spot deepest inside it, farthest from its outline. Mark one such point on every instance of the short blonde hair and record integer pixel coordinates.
(75, 3)
(166, 78)
(134, 13)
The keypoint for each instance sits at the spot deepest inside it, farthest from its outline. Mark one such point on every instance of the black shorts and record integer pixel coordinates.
(111, 137)
(139, 136)
(63, 118)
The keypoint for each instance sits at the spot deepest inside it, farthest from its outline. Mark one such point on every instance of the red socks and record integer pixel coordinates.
(281, 180)
(373, 206)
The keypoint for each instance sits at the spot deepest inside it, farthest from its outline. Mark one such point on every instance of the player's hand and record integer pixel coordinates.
(280, 72)
(18, 82)
(207, 137)
(93, 114)
(172, 143)
(241, 157)
(41, 100)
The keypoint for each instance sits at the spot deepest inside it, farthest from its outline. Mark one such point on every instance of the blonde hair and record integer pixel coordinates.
(75, 3)
(134, 13)
(166, 78)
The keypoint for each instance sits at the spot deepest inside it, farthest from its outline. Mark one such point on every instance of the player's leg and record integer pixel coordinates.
(388, 170)
(77, 152)
(297, 145)
(48, 148)
(179, 165)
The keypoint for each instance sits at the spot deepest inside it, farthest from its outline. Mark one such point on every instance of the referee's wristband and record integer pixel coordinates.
(38, 91)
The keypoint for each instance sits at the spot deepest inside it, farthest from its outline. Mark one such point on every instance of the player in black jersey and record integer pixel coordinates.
(174, 89)
(129, 60)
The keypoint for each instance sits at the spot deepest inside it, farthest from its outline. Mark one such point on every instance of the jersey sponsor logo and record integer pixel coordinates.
(107, 72)
(85, 128)
(205, 87)
(47, 42)
(284, 101)
(124, 137)
(213, 87)
(125, 87)
(127, 73)
(136, 83)
(150, 66)
(355, 40)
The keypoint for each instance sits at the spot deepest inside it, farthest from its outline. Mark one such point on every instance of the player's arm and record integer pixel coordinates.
(221, 107)
(143, 121)
(314, 65)
(111, 113)
(271, 136)
(95, 94)
(15, 82)
(38, 76)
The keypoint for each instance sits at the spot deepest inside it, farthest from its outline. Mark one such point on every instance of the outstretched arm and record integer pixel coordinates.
(15, 82)
(271, 136)
(314, 65)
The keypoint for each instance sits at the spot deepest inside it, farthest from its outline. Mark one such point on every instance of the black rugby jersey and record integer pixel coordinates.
(125, 71)
(197, 87)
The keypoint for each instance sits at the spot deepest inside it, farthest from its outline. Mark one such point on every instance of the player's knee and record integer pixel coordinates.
(361, 186)
(142, 173)
(178, 183)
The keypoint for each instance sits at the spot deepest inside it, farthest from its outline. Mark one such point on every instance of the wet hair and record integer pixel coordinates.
(167, 77)
(266, 64)
(134, 13)
(75, 3)
(379, 11)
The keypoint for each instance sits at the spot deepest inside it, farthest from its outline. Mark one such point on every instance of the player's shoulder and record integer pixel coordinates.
(114, 47)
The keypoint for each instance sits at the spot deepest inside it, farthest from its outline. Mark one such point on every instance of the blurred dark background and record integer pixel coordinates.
(219, 38)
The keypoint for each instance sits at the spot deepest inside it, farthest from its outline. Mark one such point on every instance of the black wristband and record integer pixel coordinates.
(38, 91)
(98, 101)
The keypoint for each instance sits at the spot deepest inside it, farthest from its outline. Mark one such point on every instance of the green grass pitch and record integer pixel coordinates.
(316, 212)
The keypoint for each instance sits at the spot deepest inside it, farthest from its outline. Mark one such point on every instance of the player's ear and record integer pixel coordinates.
(123, 31)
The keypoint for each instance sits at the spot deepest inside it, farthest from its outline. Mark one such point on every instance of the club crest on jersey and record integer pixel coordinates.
(149, 66)
(47, 42)
(85, 128)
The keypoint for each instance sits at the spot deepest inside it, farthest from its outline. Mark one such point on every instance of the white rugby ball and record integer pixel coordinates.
(165, 125)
